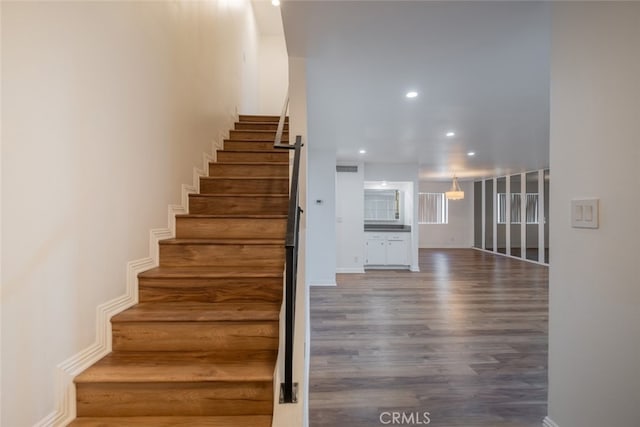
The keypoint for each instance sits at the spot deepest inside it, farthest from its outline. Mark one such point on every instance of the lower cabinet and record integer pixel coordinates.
(387, 248)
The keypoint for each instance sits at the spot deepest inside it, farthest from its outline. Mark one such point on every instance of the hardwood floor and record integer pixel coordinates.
(465, 340)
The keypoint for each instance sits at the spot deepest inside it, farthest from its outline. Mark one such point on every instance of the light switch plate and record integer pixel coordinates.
(584, 213)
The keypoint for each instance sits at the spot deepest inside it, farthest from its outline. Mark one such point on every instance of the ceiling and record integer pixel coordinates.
(481, 70)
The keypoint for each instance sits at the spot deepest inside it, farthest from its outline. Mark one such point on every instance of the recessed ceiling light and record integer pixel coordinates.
(471, 153)
(363, 151)
(411, 94)
(451, 134)
(275, 2)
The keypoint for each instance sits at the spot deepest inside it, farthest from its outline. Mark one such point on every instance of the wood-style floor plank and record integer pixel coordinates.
(465, 340)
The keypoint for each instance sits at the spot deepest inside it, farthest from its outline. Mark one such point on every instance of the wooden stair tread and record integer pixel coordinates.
(264, 117)
(249, 141)
(237, 216)
(222, 241)
(165, 367)
(240, 178)
(247, 195)
(284, 151)
(261, 123)
(259, 130)
(175, 421)
(208, 272)
(199, 312)
(250, 163)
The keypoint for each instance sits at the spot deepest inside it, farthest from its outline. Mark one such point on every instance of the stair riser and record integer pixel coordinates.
(194, 336)
(211, 290)
(158, 399)
(273, 126)
(238, 205)
(221, 170)
(230, 228)
(244, 186)
(248, 145)
(260, 134)
(234, 255)
(251, 118)
(267, 156)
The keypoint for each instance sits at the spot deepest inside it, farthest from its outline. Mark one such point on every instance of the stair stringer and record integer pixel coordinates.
(65, 390)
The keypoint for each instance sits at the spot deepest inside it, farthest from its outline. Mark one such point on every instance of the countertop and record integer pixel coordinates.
(387, 228)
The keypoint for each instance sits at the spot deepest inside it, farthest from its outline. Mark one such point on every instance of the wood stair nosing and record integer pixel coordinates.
(249, 145)
(195, 336)
(259, 126)
(253, 156)
(199, 312)
(169, 421)
(170, 367)
(211, 290)
(243, 185)
(174, 399)
(241, 203)
(231, 227)
(230, 252)
(248, 169)
(256, 134)
(206, 285)
(260, 118)
(209, 273)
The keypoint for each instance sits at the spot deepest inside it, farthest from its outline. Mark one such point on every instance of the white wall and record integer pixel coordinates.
(407, 172)
(106, 108)
(594, 348)
(273, 74)
(321, 217)
(349, 217)
(458, 233)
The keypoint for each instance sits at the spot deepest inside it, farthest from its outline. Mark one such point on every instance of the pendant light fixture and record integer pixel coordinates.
(456, 192)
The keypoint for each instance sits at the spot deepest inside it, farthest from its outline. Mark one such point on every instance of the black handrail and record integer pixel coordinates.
(288, 390)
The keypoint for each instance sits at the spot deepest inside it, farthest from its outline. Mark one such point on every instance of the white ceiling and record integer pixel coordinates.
(481, 70)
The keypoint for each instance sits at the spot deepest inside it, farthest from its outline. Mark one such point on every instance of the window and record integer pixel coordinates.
(516, 206)
(432, 208)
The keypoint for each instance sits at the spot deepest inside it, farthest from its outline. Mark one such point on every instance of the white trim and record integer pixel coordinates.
(541, 218)
(65, 391)
(523, 214)
(350, 270)
(510, 256)
(323, 284)
(415, 268)
(548, 422)
(494, 202)
(507, 222)
(484, 213)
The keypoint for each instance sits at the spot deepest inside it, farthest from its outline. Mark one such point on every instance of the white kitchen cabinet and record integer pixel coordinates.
(387, 248)
(376, 251)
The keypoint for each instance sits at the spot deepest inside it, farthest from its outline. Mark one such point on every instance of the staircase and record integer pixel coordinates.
(200, 347)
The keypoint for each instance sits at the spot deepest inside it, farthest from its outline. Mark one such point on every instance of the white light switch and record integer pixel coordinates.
(584, 213)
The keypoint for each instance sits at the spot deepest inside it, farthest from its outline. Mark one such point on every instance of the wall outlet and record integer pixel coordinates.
(355, 259)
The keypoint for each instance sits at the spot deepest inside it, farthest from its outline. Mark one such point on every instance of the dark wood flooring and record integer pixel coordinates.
(465, 340)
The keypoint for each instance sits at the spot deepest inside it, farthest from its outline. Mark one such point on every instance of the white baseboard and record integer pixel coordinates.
(354, 270)
(548, 422)
(65, 391)
(323, 284)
